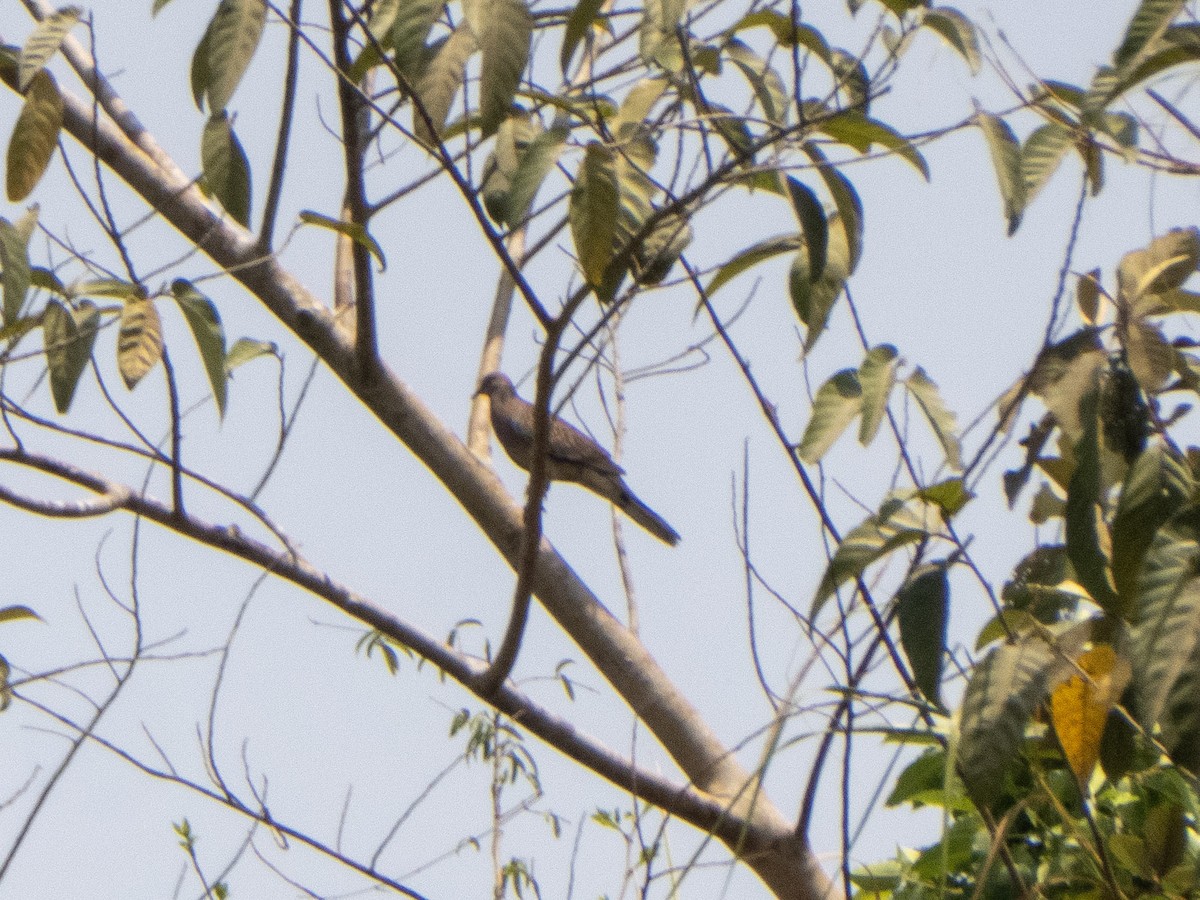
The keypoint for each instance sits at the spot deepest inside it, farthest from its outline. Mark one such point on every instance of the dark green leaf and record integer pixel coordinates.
(68, 336)
(813, 299)
(845, 197)
(226, 168)
(1082, 530)
(14, 257)
(504, 38)
(34, 137)
(751, 257)
(578, 23)
(414, 20)
(811, 216)
(199, 73)
(205, 323)
(40, 46)
(837, 402)
(852, 128)
(922, 605)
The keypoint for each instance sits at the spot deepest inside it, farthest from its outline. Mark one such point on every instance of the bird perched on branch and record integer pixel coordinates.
(570, 456)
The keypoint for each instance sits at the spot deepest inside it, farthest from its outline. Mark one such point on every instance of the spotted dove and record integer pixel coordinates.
(571, 454)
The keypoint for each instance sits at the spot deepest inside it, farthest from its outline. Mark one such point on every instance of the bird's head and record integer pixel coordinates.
(495, 384)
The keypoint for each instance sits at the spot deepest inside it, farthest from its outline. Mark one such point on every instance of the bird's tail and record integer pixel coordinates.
(646, 517)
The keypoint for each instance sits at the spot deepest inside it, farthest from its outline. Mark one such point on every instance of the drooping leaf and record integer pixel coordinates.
(850, 76)
(414, 20)
(205, 323)
(6, 694)
(845, 198)
(1083, 498)
(353, 230)
(764, 81)
(139, 341)
(744, 260)
(811, 217)
(595, 202)
(537, 161)
(1064, 373)
(922, 607)
(44, 42)
(1001, 695)
(637, 105)
(658, 252)
(16, 613)
(1150, 21)
(226, 168)
(578, 23)
(1150, 356)
(199, 72)
(837, 402)
(34, 136)
(957, 31)
(897, 524)
(504, 40)
(813, 299)
(14, 257)
(232, 38)
(877, 375)
(68, 336)
(440, 82)
(1041, 156)
(941, 419)
(852, 128)
(1079, 706)
(246, 349)
(658, 44)
(1006, 159)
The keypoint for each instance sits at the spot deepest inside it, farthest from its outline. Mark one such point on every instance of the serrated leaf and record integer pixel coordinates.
(1001, 695)
(812, 299)
(957, 31)
(922, 605)
(845, 198)
(68, 336)
(14, 257)
(34, 136)
(232, 38)
(595, 202)
(837, 402)
(578, 23)
(896, 525)
(205, 323)
(1087, 296)
(16, 613)
(414, 20)
(1168, 625)
(854, 129)
(747, 259)
(764, 81)
(139, 341)
(1041, 156)
(226, 168)
(353, 230)
(1150, 21)
(1006, 160)
(811, 216)
(440, 82)
(1079, 706)
(43, 43)
(246, 349)
(941, 419)
(504, 41)
(877, 375)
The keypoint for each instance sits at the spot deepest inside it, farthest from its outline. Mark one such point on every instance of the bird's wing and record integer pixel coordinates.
(569, 444)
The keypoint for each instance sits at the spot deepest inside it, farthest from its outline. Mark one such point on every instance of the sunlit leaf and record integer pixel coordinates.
(957, 31)
(139, 341)
(637, 105)
(115, 288)
(68, 336)
(922, 607)
(1006, 159)
(595, 202)
(536, 162)
(813, 299)
(440, 82)
(205, 323)
(34, 136)
(877, 375)
(44, 42)
(1087, 296)
(837, 402)
(1079, 706)
(504, 37)
(14, 257)
(232, 38)
(854, 129)
(16, 613)
(353, 230)
(941, 419)
(1164, 265)
(1150, 21)
(747, 259)
(768, 87)
(6, 694)
(950, 496)
(1041, 156)
(226, 168)
(246, 349)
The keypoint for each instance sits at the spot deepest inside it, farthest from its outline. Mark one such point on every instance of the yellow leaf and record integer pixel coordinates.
(1079, 706)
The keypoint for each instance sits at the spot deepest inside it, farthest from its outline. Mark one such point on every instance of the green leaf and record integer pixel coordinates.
(16, 613)
(68, 336)
(851, 80)
(1151, 358)
(205, 323)
(877, 375)
(854, 129)
(43, 43)
(199, 73)
(504, 41)
(6, 694)
(813, 299)
(811, 216)
(1001, 695)
(595, 202)
(897, 524)
(837, 402)
(1041, 156)
(1006, 159)
(1164, 265)
(1087, 296)
(383, 17)
(246, 349)
(747, 259)
(768, 87)
(922, 607)
(661, 249)
(353, 230)
(139, 341)
(941, 419)
(414, 21)
(34, 137)
(845, 197)
(1083, 496)
(637, 105)
(232, 38)
(1168, 616)
(1150, 21)
(440, 82)
(1157, 486)
(957, 31)
(578, 23)
(950, 496)
(115, 288)
(14, 257)
(226, 168)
